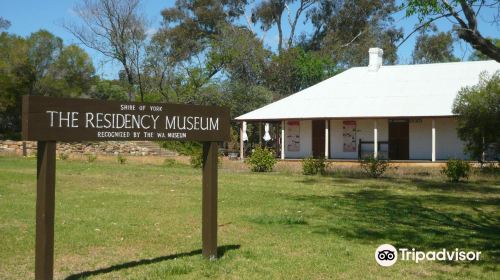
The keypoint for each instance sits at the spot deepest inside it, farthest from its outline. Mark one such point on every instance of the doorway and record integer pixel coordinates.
(399, 139)
(318, 138)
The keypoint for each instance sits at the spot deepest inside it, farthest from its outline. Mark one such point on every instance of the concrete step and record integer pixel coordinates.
(155, 148)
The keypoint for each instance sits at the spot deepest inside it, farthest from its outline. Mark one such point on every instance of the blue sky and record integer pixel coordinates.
(28, 16)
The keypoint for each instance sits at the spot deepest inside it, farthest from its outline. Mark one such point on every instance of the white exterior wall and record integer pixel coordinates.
(305, 141)
(448, 145)
(364, 130)
(421, 139)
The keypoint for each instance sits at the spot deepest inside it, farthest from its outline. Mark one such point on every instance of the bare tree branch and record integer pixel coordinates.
(420, 27)
(117, 29)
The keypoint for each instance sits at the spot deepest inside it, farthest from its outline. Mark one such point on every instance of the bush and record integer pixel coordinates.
(491, 168)
(477, 108)
(313, 166)
(121, 159)
(262, 160)
(196, 160)
(169, 162)
(374, 167)
(456, 169)
(91, 157)
(187, 148)
(63, 156)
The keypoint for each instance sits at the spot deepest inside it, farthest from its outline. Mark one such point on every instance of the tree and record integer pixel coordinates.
(241, 55)
(117, 29)
(478, 110)
(271, 12)
(477, 55)
(43, 50)
(433, 48)
(345, 30)
(295, 69)
(243, 99)
(191, 24)
(205, 46)
(464, 14)
(4, 24)
(39, 65)
(75, 70)
(13, 80)
(55, 70)
(159, 68)
(108, 90)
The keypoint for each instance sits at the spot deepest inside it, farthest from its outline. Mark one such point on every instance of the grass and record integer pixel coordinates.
(143, 221)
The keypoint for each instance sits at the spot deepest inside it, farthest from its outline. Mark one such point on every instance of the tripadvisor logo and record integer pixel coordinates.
(387, 255)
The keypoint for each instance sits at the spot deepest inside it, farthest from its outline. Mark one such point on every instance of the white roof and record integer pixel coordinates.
(392, 91)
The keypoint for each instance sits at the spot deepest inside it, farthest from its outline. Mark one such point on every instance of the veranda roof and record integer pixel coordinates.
(392, 91)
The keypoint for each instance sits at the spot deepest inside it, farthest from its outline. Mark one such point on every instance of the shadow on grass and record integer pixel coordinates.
(424, 222)
(278, 220)
(309, 180)
(478, 187)
(221, 250)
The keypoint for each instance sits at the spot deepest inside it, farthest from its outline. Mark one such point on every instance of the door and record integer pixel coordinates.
(399, 140)
(318, 138)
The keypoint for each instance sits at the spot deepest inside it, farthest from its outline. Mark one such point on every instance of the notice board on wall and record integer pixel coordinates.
(349, 136)
(293, 136)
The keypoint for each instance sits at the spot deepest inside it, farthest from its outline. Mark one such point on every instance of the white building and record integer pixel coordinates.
(400, 112)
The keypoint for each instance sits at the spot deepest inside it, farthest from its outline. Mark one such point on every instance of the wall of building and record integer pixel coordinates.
(420, 139)
(364, 131)
(448, 145)
(305, 141)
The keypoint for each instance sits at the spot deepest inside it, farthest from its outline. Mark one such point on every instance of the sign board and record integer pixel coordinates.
(64, 119)
(48, 119)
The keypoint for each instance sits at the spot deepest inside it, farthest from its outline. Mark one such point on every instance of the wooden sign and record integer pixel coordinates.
(47, 120)
(62, 119)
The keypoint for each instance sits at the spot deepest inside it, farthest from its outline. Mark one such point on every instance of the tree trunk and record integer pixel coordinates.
(141, 91)
(479, 43)
(130, 80)
(280, 35)
(469, 32)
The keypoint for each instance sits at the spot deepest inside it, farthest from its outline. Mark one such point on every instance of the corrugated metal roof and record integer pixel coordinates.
(392, 91)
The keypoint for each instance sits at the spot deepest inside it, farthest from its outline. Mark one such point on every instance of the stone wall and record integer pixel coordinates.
(100, 148)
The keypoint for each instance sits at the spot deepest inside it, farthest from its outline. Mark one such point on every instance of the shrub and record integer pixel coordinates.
(187, 148)
(169, 162)
(91, 157)
(477, 108)
(196, 160)
(262, 160)
(121, 159)
(374, 167)
(63, 156)
(313, 166)
(456, 169)
(491, 168)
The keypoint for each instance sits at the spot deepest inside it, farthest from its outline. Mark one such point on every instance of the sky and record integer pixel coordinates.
(27, 16)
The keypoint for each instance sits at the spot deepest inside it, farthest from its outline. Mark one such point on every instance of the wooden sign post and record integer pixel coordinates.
(47, 120)
(45, 209)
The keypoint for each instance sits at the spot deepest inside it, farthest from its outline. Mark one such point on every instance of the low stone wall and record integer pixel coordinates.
(102, 148)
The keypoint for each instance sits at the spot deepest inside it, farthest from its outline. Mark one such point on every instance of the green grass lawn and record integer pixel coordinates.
(143, 221)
